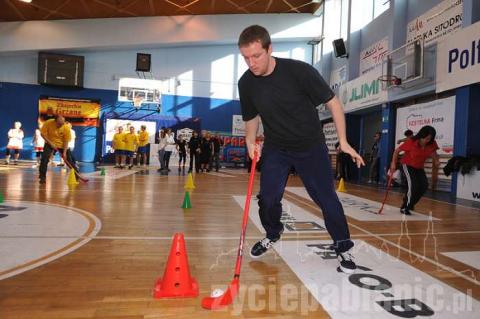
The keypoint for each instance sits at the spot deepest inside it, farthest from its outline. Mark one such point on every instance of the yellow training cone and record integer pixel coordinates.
(189, 182)
(72, 180)
(341, 186)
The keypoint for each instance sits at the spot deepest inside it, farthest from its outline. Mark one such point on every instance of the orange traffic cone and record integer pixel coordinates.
(176, 281)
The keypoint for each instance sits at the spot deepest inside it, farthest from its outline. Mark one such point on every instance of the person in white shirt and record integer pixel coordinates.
(162, 143)
(15, 143)
(38, 145)
(169, 148)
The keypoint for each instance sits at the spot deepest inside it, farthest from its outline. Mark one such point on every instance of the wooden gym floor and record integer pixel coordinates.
(113, 274)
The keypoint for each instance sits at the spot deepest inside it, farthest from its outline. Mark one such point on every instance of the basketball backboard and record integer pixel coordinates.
(133, 90)
(403, 65)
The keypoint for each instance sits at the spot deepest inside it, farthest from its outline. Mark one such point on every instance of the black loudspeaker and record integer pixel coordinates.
(143, 62)
(60, 69)
(339, 48)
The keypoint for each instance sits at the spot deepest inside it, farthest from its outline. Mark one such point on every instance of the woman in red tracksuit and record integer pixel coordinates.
(416, 150)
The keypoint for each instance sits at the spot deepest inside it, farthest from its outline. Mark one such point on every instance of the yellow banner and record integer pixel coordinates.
(78, 112)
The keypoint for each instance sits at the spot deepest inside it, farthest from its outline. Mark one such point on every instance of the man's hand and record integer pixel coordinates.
(252, 147)
(356, 158)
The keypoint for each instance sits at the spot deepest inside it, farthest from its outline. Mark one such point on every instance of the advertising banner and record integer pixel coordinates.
(372, 56)
(436, 23)
(78, 112)
(338, 77)
(364, 91)
(439, 113)
(331, 137)
(458, 59)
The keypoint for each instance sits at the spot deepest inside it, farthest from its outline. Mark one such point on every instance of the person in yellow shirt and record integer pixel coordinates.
(119, 146)
(56, 133)
(142, 146)
(131, 142)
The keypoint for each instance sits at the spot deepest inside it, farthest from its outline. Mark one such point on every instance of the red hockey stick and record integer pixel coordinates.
(214, 303)
(389, 185)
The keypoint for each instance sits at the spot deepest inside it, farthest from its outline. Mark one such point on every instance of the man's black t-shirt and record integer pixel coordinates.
(193, 144)
(182, 146)
(217, 142)
(286, 101)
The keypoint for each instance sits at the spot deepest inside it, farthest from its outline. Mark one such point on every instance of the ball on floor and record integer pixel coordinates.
(216, 293)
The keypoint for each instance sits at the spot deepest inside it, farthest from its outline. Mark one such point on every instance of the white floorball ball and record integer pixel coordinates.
(216, 293)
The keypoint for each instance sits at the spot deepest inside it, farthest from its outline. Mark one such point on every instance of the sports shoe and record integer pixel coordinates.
(405, 211)
(42, 181)
(261, 247)
(347, 265)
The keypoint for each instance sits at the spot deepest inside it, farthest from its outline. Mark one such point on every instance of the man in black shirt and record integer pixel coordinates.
(194, 147)
(217, 143)
(284, 93)
(182, 153)
(373, 175)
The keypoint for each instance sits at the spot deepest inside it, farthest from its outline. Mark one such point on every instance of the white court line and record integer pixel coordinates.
(439, 265)
(119, 192)
(239, 172)
(218, 174)
(470, 258)
(111, 173)
(284, 236)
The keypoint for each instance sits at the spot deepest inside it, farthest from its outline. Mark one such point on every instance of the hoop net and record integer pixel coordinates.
(388, 81)
(137, 101)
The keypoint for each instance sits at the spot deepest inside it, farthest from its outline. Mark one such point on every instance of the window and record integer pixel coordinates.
(380, 6)
(344, 20)
(364, 11)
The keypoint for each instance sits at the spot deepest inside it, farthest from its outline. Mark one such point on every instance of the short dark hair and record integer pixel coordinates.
(252, 34)
(424, 132)
(408, 133)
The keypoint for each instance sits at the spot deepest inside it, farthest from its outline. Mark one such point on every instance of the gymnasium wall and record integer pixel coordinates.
(201, 82)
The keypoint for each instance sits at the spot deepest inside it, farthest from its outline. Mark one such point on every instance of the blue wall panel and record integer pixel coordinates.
(19, 102)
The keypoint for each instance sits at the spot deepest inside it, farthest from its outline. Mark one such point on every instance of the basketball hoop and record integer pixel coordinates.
(137, 101)
(388, 81)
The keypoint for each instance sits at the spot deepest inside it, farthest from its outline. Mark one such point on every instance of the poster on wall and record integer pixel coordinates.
(439, 113)
(436, 23)
(111, 126)
(458, 59)
(234, 150)
(238, 126)
(372, 56)
(78, 112)
(331, 137)
(338, 77)
(468, 186)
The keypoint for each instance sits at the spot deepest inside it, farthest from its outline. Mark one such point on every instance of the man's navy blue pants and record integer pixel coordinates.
(313, 167)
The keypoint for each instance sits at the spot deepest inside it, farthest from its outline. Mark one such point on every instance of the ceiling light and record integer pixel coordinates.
(27, 1)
